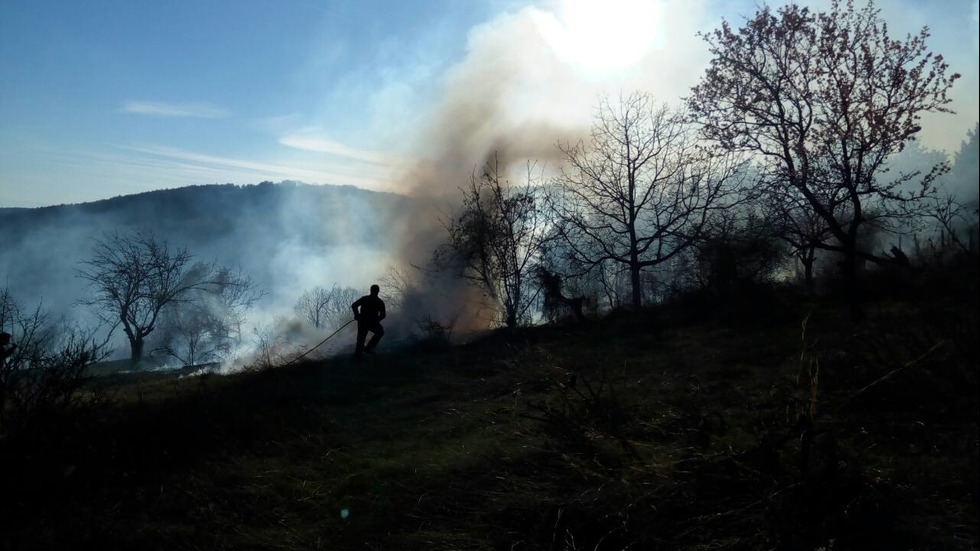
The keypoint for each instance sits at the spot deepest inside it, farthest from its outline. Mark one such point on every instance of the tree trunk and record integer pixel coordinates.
(511, 320)
(635, 283)
(136, 349)
(807, 259)
(851, 293)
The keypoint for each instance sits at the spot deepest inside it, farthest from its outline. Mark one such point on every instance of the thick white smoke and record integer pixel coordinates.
(532, 78)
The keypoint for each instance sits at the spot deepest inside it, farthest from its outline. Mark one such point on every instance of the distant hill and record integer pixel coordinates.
(211, 210)
(287, 236)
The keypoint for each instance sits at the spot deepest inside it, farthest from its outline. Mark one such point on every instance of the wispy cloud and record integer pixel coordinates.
(171, 109)
(306, 141)
(279, 124)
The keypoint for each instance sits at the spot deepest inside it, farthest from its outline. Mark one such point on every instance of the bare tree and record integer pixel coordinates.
(954, 212)
(797, 225)
(947, 215)
(339, 311)
(639, 191)
(323, 307)
(312, 306)
(822, 100)
(43, 366)
(207, 323)
(30, 334)
(134, 277)
(396, 284)
(495, 234)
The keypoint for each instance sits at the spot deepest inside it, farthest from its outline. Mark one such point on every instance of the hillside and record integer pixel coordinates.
(207, 210)
(657, 430)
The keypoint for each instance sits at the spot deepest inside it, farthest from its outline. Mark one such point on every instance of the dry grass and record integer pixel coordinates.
(650, 431)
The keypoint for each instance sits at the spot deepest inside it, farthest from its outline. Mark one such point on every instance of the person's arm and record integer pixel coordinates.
(355, 305)
(381, 311)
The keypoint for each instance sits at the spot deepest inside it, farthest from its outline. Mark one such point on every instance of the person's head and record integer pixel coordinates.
(375, 290)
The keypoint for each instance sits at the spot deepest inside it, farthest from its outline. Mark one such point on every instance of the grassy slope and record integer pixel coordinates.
(652, 431)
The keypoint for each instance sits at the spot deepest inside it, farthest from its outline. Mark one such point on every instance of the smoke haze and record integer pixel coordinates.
(287, 237)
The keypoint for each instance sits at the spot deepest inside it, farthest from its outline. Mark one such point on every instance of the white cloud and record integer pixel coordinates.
(315, 142)
(170, 109)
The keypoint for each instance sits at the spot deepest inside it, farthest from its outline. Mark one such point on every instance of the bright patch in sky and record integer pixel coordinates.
(598, 38)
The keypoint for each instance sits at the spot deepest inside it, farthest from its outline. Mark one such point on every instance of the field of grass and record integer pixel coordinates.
(781, 426)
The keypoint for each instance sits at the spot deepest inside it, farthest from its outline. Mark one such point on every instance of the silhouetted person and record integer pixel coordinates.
(899, 257)
(369, 310)
(6, 348)
(554, 298)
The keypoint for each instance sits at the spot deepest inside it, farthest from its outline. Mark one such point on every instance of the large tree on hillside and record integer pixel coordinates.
(134, 277)
(639, 191)
(822, 99)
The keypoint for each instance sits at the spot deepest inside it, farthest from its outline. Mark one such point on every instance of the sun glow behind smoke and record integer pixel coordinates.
(529, 80)
(602, 38)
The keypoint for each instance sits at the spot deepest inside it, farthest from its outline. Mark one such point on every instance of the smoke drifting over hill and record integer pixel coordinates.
(287, 237)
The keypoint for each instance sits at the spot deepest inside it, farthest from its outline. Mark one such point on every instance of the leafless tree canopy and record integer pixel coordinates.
(326, 308)
(639, 191)
(339, 311)
(206, 324)
(796, 224)
(42, 368)
(134, 277)
(312, 306)
(822, 100)
(495, 234)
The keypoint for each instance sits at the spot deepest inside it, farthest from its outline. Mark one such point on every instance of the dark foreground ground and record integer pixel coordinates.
(740, 429)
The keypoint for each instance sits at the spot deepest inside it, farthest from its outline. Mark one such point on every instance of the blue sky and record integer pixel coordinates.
(103, 98)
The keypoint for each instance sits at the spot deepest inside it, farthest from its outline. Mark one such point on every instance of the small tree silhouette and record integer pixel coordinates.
(312, 306)
(43, 366)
